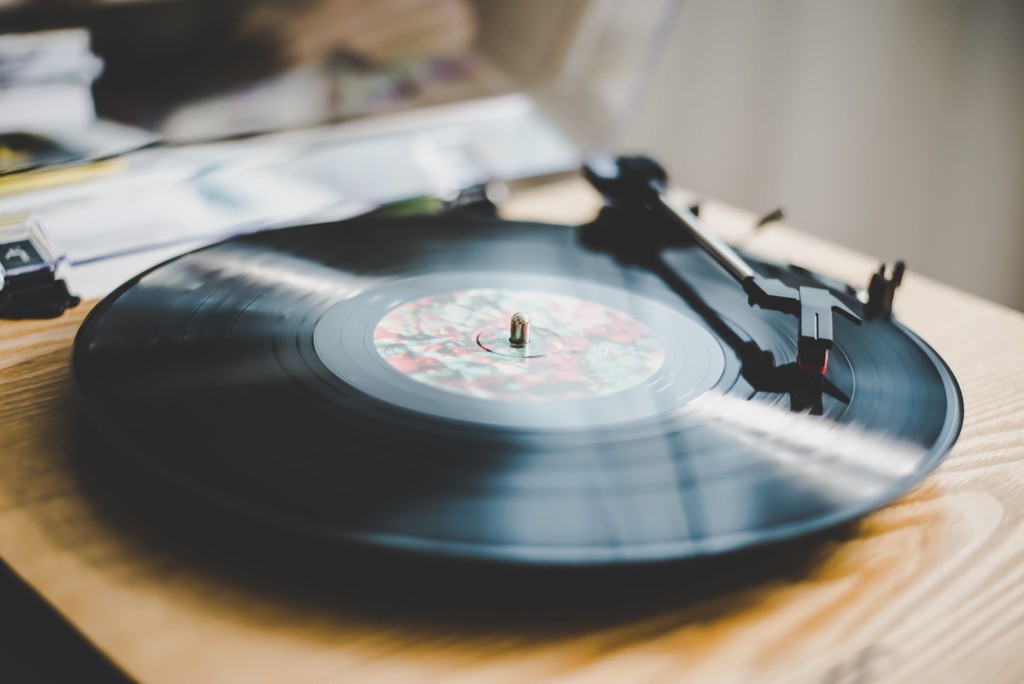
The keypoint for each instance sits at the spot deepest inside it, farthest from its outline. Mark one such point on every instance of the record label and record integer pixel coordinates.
(597, 352)
(459, 341)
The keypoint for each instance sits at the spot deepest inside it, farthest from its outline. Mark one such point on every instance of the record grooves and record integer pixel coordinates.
(355, 381)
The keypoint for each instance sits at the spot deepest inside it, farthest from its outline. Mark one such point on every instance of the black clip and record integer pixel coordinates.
(771, 217)
(479, 200)
(29, 270)
(882, 289)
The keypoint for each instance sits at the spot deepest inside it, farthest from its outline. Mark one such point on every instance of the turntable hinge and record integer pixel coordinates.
(30, 286)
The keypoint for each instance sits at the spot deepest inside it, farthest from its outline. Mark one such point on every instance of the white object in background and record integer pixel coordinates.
(46, 80)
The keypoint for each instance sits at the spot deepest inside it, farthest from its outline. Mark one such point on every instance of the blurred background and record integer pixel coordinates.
(893, 126)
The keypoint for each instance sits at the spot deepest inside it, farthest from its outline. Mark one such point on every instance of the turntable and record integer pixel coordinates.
(170, 596)
(518, 392)
(611, 435)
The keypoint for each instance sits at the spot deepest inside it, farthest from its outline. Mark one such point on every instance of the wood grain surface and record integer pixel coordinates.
(931, 588)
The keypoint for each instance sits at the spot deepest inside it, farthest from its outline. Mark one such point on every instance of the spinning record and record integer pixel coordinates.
(502, 391)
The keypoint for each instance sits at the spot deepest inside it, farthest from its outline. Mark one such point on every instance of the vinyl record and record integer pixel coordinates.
(356, 381)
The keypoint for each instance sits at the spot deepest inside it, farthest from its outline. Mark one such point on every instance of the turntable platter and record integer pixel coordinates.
(360, 381)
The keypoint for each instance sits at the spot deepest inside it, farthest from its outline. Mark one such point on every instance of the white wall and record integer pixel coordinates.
(893, 126)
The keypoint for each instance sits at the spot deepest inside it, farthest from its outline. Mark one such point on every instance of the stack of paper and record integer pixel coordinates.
(46, 81)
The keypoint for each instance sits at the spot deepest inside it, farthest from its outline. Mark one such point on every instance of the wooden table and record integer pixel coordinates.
(931, 588)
